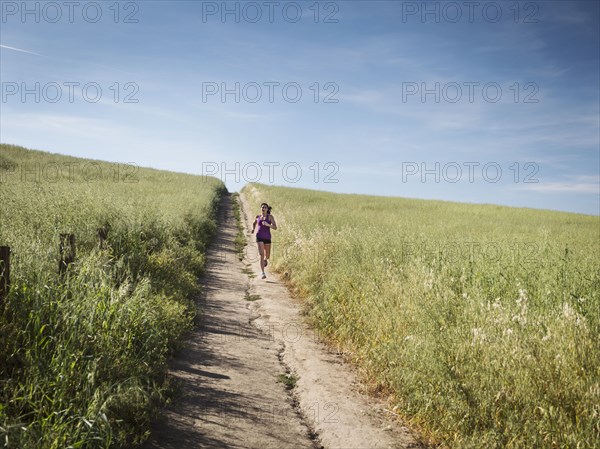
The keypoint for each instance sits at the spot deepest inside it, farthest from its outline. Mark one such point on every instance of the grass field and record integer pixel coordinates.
(482, 321)
(83, 354)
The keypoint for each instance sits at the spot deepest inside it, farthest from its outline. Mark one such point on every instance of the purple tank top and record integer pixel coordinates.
(264, 232)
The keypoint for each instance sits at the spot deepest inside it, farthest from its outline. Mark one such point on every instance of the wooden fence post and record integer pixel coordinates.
(67, 252)
(4, 271)
(103, 235)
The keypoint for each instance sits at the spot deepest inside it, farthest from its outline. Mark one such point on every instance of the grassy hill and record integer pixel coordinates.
(83, 352)
(482, 321)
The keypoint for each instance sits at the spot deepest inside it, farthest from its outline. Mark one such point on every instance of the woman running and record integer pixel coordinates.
(265, 222)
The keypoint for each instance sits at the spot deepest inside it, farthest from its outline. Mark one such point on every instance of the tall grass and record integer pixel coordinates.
(483, 321)
(83, 355)
(240, 236)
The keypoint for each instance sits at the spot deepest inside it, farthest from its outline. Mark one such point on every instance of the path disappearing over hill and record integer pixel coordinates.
(255, 376)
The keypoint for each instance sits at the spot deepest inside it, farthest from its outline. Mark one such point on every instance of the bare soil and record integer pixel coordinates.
(254, 375)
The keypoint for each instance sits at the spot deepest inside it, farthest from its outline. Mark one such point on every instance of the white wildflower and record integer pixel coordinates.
(522, 299)
(572, 315)
(429, 281)
(521, 319)
(568, 311)
(546, 337)
(478, 335)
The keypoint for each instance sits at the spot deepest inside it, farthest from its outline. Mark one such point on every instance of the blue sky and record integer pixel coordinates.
(482, 102)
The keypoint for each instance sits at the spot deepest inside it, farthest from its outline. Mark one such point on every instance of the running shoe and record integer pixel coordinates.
(264, 276)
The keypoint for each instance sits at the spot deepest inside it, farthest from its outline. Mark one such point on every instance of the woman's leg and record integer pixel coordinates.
(267, 251)
(261, 253)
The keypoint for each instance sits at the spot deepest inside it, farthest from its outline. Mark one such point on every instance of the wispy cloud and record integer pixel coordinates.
(19, 50)
(66, 125)
(579, 184)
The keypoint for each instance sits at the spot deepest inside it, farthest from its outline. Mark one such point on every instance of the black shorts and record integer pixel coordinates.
(260, 239)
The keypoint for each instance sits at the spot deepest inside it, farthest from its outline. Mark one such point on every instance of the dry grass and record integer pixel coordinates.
(483, 320)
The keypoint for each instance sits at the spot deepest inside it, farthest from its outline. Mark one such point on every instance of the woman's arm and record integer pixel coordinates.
(254, 225)
(273, 224)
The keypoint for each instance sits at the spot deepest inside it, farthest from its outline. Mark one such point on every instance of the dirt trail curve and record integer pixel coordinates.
(230, 374)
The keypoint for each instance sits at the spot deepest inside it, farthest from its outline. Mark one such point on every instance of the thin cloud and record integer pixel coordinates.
(19, 50)
(564, 187)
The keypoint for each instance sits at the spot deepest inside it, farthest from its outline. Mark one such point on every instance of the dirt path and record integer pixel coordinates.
(232, 374)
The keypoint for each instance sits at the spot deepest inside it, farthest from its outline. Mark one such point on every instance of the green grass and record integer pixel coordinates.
(240, 238)
(249, 273)
(250, 297)
(288, 379)
(482, 321)
(83, 356)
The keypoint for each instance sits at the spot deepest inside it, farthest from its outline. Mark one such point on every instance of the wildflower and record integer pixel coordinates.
(478, 335)
(546, 337)
(429, 282)
(522, 299)
(568, 311)
(520, 318)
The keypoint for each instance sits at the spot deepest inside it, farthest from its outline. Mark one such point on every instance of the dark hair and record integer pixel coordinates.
(268, 208)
